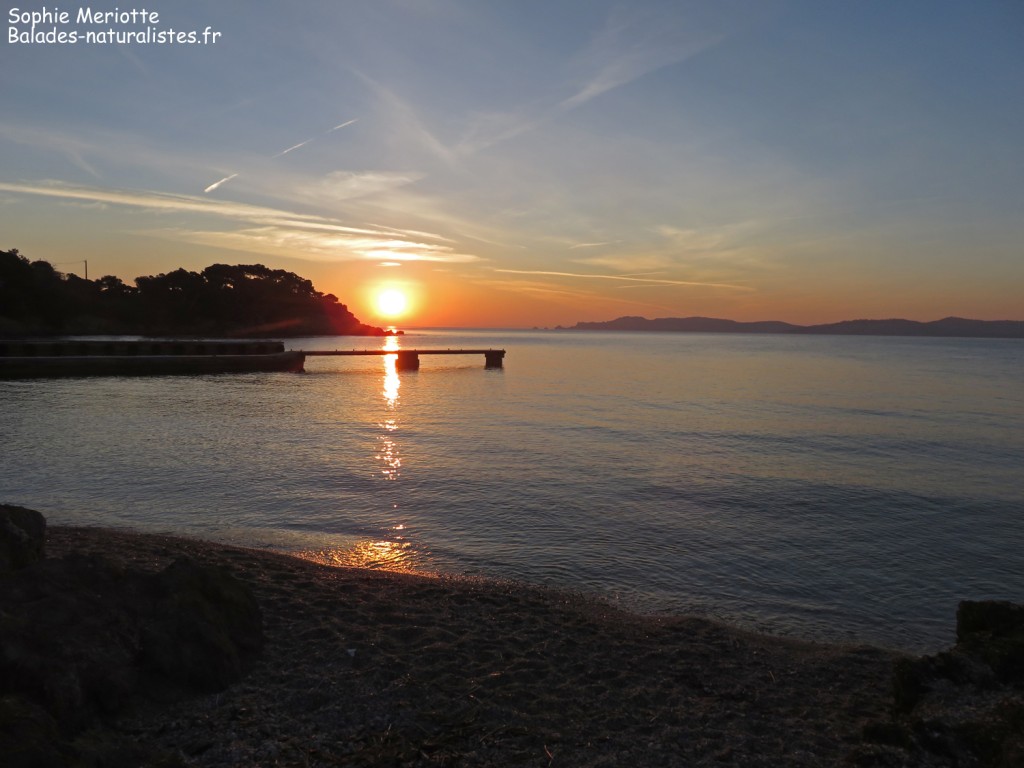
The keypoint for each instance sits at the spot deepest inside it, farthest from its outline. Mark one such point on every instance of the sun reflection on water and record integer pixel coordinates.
(387, 453)
(392, 382)
(387, 448)
(394, 554)
(390, 551)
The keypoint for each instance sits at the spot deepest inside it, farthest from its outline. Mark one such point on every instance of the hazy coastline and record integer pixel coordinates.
(948, 327)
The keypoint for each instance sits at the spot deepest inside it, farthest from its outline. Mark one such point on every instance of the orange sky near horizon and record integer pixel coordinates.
(793, 160)
(455, 297)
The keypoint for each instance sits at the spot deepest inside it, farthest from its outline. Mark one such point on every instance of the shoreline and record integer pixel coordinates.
(365, 666)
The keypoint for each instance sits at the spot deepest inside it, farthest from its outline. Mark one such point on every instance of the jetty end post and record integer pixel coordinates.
(493, 358)
(407, 361)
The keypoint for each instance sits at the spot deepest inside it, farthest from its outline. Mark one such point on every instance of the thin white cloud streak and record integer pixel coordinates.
(216, 184)
(412, 232)
(631, 46)
(427, 209)
(71, 147)
(159, 201)
(649, 280)
(314, 138)
(405, 121)
(491, 129)
(299, 233)
(635, 43)
(566, 297)
(292, 148)
(323, 246)
(587, 245)
(345, 185)
(107, 149)
(628, 263)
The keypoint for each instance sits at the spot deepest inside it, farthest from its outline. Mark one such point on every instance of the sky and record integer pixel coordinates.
(521, 163)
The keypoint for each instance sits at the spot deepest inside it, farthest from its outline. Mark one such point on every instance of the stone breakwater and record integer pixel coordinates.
(120, 649)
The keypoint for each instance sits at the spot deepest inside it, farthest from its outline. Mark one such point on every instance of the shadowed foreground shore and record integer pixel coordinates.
(365, 668)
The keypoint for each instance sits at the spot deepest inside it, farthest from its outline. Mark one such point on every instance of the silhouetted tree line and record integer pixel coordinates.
(246, 300)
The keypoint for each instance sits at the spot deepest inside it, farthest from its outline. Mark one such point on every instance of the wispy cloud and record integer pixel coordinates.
(345, 185)
(636, 42)
(567, 297)
(73, 148)
(322, 245)
(404, 124)
(633, 43)
(100, 153)
(719, 252)
(157, 201)
(587, 245)
(266, 228)
(411, 232)
(624, 278)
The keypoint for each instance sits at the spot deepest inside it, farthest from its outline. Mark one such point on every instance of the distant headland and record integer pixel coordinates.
(241, 301)
(949, 326)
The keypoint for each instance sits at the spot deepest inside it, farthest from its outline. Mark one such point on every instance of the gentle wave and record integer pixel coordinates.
(829, 487)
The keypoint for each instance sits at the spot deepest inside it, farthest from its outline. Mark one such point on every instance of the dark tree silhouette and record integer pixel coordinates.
(245, 300)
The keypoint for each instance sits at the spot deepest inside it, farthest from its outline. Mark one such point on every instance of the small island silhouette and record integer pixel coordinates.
(949, 326)
(240, 301)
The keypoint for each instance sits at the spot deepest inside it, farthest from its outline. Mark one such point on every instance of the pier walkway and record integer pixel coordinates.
(409, 359)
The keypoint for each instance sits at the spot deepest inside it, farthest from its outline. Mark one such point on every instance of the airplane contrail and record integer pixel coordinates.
(304, 143)
(216, 184)
(226, 179)
(292, 148)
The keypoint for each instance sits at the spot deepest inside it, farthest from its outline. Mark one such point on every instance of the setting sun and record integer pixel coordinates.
(391, 302)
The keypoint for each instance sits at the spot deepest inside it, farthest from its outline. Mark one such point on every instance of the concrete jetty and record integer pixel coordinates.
(409, 359)
(53, 358)
(56, 358)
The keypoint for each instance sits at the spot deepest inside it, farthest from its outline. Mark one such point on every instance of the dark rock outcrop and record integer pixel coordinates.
(993, 631)
(82, 639)
(22, 537)
(206, 625)
(964, 706)
(29, 737)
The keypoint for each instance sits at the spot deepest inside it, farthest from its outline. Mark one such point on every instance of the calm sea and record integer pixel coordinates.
(834, 488)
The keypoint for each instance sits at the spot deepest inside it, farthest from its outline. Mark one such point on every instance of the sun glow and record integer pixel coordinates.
(391, 302)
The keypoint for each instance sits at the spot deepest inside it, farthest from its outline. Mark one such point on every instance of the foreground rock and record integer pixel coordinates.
(964, 706)
(205, 626)
(22, 537)
(83, 639)
(366, 668)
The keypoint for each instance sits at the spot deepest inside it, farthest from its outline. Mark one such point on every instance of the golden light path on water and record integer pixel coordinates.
(396, 553)
(389, 555)
(387, 453)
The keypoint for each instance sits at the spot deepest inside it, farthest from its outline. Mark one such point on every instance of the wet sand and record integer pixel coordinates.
(373, 668)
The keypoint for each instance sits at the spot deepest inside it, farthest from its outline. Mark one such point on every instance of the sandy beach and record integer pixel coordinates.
(374, 668)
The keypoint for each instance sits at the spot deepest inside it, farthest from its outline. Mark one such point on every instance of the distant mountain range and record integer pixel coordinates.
(948, 326)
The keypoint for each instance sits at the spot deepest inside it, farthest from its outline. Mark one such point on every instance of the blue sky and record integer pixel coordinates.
(534, 163)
